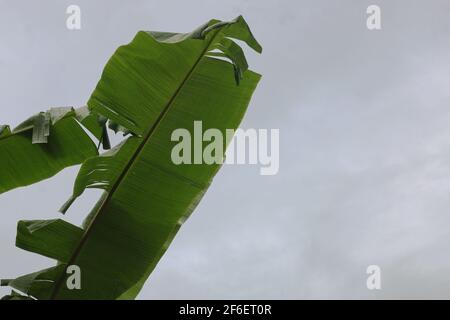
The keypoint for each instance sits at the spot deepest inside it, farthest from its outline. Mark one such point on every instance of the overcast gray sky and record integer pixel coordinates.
(364, 119)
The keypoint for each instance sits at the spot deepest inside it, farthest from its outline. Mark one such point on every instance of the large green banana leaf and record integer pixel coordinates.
(44, 145)
(150, 87)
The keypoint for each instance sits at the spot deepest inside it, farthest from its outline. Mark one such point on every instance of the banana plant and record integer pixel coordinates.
(45, 144)
(159, 82)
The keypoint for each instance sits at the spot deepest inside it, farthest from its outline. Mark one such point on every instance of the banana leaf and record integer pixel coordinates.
(159, 82)
(43, 145)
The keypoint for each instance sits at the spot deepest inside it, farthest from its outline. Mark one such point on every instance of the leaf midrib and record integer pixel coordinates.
(130, 163)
